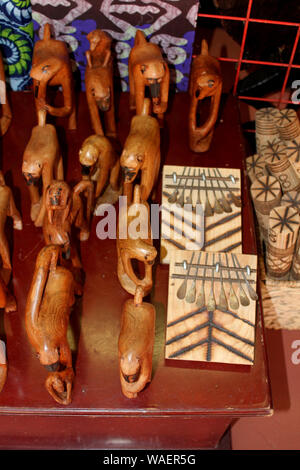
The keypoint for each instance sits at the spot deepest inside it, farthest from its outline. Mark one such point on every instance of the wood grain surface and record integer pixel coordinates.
(218, 325)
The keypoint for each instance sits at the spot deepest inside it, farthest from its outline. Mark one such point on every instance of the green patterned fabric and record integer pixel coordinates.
(16, 41)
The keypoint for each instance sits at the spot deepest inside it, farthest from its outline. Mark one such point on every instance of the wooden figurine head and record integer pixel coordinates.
(139, 247)
(205, 82)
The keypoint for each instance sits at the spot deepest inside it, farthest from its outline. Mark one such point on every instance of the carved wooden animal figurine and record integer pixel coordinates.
(147, 68)
(64, 209)
(42, 159)
(48, 306)
(100, 163)
(141, 153)
(51, 66)
(284, 222)
(139, 248)
(99, 83)
(6, 117)
(136, 345)
(205, 81)
(7, 208)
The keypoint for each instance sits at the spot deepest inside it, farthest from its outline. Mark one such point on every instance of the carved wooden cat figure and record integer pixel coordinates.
(51, 66)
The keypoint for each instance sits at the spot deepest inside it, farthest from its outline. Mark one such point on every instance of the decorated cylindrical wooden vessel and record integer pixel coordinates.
(282, 237)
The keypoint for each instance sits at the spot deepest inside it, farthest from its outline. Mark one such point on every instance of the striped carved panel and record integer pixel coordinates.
(201, 210)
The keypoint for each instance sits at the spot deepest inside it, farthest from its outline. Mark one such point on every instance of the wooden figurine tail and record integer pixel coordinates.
(139, 38)
(47, 32)
(139, 295)
(204, 47)
(42, 115)
(137, 194)
(146, 111)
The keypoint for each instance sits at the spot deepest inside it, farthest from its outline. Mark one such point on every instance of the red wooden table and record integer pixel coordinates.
(186, 406)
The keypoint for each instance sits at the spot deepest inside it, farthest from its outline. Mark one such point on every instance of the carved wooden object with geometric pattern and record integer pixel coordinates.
(266, 194)
(256, 167)
(211, 307)
(282, 237)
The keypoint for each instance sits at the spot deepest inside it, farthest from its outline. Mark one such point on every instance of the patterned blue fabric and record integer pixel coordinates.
(168, 23)
(16, 41)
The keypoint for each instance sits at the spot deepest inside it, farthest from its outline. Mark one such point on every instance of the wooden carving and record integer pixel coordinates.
(136, 345)
(48, 307)
(205, 82)
(3, 365)
(7, 208)
(99, 83)
(147, 68)
(266, 130)
(51, 66)
(266, 194)
(141, 153)
(256, 167)
(6, 117)
(42, 159)
(201, 210)
(7, 300)
(138, 248)
(64, 209)
(100, 163)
